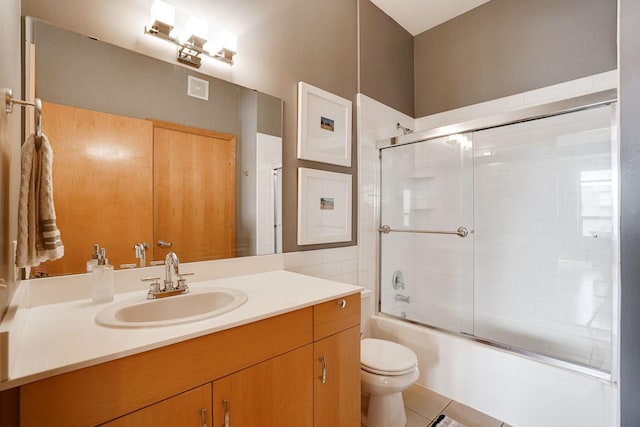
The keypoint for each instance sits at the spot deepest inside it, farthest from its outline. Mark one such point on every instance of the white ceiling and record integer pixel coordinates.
(417, 16)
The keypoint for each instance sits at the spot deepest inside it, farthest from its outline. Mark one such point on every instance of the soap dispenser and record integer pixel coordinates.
(102, 279)
(94, 258)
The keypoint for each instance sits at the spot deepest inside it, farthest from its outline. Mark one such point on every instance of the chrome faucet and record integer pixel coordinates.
(167, 288)
(170, 262)
(141, 252)
(402, 298)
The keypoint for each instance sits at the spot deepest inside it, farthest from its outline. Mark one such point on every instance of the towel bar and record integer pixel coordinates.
(37, 104)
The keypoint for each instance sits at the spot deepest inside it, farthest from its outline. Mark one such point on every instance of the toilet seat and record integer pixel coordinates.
(383, 357)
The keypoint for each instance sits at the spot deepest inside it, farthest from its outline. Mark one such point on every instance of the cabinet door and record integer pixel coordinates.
(337, 380)
(191, 408)
(275, 393)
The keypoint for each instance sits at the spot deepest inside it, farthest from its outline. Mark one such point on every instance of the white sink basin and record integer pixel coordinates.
(196, 305)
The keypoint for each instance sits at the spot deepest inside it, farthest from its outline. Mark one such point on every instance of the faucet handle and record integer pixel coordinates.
(182, 282)
(155, 285)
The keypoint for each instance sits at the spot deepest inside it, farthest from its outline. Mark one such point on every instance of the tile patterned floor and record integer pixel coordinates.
(423, 406)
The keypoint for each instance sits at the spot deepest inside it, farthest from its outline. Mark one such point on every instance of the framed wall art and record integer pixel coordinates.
(324, 126)
(324, 206)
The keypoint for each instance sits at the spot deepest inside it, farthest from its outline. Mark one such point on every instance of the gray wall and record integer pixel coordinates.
(10, 135)
(386, 59)
(506, 47)
(630, 208)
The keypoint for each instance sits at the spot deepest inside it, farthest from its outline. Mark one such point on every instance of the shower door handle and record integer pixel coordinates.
(461, 231)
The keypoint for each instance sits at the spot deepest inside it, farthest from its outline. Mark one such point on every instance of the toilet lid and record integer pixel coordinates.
(386, 357)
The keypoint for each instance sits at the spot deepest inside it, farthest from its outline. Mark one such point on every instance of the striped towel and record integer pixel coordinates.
(444, 421)
(38, 236)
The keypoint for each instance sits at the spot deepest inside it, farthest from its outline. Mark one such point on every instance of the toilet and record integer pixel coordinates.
(386, 369)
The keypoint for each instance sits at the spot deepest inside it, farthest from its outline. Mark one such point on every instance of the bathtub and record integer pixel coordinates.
(512, 387)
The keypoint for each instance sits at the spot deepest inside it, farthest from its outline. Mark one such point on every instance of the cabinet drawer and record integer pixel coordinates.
(336, 315)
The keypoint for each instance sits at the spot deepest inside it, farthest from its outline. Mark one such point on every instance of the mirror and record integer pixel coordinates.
(82, 82)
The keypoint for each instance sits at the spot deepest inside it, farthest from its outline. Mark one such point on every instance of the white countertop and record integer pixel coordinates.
(63, 337)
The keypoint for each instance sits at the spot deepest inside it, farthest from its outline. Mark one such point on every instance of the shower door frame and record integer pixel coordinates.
(579, 103)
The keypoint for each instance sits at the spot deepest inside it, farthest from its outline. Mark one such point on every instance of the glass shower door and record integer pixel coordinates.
(546, 236)
(426, 268)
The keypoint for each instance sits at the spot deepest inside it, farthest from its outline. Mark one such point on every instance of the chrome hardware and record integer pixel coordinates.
(385, 229)
(405, 130)
(156, 263)
(167, 287)
(203, 417)
(164, 244)
(171, 265)
(323, 377)
(154, 287)
(182, 282)
(398, 280)
(461, 231)
(141, 252)
(342, 303)
(9, 100)
(123, 266)
(225, 404)
(402, 298)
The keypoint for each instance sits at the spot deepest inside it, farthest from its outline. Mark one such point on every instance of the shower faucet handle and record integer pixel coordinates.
(398, 280)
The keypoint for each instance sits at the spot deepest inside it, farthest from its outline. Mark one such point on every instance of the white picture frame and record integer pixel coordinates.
(324, 206)
(324, 126)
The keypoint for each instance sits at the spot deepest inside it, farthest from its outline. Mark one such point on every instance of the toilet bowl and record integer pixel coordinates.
(386, 369)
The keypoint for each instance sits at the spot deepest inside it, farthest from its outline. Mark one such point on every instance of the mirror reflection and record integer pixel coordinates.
(151, 157)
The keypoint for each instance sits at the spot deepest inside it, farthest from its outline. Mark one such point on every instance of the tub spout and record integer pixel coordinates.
(403, 298)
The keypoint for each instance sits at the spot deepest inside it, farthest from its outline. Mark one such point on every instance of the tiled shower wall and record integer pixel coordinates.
(375, 121)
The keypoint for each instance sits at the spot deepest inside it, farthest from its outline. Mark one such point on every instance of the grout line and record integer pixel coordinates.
(445, 408)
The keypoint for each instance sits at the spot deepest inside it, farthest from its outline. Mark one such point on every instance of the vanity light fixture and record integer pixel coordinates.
(190, 50)
(163, 17)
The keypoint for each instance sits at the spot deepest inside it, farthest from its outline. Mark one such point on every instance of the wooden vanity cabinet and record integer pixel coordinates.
(275, 393)
(191, 408)
(100, 393)
(268, 372)
(336, 348)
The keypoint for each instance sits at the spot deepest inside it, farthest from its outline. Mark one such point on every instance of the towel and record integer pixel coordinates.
(445, 421)
(38, 236)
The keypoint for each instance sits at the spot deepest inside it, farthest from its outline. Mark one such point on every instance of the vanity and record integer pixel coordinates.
(288, 356)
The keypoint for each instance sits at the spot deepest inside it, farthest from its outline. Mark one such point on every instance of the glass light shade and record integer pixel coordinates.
(197, 27)
(163, 12)
(227, 40)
